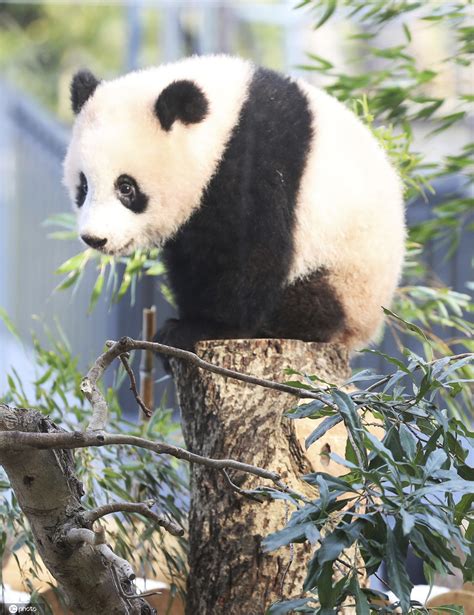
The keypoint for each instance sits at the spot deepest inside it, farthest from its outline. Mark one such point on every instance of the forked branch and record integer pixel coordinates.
(143, 509)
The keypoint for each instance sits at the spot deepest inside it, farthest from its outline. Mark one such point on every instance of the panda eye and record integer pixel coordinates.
(81, 190)
(129, 194)
(126, 189)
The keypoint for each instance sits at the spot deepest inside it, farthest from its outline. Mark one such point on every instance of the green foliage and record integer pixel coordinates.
(39, 42)
(116, 277)
(42, 44)
(413, 486)
(434, 308)
(108, 473)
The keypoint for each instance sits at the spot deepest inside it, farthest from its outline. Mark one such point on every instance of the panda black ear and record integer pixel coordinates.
(181, 100)
(83, 85)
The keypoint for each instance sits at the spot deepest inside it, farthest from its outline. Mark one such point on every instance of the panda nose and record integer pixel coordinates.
(93, 242)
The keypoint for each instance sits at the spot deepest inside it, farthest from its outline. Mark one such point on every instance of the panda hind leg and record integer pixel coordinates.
(310, 311)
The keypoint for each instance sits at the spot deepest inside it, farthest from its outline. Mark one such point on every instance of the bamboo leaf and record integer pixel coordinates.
(287, 606)
(408, 522)
(287, 535)
(322, 428)
(9, 323)
(398, 577)
(337, 541)
(434, 461)
(408, 441)
(330, 8)
(361, 603)
(75, 262)
(96, 291)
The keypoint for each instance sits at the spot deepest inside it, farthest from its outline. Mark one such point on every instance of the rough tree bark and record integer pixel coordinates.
(49, 494)
(229, 573)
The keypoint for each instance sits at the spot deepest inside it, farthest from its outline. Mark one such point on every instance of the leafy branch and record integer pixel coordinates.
(408, 488)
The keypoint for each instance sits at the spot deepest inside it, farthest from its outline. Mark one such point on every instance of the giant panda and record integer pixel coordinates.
(278, 213)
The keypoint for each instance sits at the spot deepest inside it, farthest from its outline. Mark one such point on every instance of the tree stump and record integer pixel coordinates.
(229, 573)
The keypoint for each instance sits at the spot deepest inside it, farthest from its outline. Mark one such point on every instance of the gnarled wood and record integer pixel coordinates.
(49, 494)
(222, 417)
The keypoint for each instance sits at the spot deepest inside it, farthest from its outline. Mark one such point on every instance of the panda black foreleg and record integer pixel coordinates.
(185, 334)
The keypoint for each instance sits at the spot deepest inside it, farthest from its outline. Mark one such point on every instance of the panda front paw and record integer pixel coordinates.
(177, 334)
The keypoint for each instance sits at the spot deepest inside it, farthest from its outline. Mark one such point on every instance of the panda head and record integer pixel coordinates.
(133, 167)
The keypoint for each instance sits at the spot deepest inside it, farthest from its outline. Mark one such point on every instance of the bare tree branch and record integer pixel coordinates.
(118, 564)
(20, 440)
(78, 535)
(152, 592)
(131, 507)
(133, 386)
(130, 344)
(90, 389)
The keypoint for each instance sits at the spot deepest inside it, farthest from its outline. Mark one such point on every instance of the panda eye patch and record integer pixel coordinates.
(130, 195)
(81, 190)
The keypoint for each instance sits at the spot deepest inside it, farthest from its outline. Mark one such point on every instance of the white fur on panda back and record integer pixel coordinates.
(350, 216)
